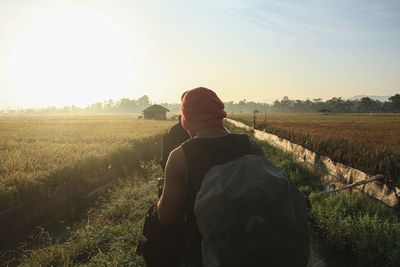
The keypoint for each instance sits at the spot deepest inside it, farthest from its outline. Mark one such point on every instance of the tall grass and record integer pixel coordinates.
(109, 235)
(366, 142)
(37, 154)
(104, 236)
(359, 226)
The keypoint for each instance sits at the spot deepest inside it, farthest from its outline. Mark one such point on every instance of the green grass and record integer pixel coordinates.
(306, 180)
(109, 235)
(358, 225)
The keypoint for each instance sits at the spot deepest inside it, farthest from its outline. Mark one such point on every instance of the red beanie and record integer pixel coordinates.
(201, 108)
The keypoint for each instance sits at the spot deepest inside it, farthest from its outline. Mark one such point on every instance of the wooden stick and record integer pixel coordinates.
(366, 181)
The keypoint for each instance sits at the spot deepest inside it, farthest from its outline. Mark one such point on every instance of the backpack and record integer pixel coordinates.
(250, 214)
(160, 245)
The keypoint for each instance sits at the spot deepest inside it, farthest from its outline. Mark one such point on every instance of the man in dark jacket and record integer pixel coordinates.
(174, 138)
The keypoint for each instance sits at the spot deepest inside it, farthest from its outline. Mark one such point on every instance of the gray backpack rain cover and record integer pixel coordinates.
(250, 214)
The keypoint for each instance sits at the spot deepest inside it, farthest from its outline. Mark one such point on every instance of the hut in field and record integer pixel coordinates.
(155, 112)
(324, 111)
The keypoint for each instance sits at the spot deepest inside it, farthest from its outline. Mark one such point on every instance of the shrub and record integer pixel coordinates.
(359, 225)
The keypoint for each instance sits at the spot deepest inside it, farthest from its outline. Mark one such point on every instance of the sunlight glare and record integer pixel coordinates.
(75, 57)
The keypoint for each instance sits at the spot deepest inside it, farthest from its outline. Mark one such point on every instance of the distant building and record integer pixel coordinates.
(155, 112)
(324, 111)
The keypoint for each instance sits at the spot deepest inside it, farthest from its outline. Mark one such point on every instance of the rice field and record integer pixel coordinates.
(48, 149)
(367, 142)
(38, 152)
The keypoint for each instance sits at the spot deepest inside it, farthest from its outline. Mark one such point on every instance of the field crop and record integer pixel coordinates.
(370, 143)
(37, 153)
(357, 225)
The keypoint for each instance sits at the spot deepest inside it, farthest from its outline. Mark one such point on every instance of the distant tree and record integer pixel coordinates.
(276, 105)
(367, 104)
(285, 105)
(318, 104)
(337, 104)
(143, 102)
(308, 105)
(242, 104)
(124, 105)
(96, 107)
(394, 103)
(300, 106)
(351, 106)
(109, 105)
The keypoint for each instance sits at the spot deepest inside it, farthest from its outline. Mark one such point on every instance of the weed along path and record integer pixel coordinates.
(349, 228)
(107, 236)
(106, 230)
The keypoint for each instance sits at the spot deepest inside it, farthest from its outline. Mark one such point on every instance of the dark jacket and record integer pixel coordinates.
(174, 138)
(201, 155)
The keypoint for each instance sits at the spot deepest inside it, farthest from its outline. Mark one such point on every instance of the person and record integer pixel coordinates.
(174, 138)
(211, 144)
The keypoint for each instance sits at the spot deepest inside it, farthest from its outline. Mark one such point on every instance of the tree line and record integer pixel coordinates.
(128, 106)
(335, 104)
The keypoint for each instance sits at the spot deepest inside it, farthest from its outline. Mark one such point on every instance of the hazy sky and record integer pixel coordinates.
(77, 52)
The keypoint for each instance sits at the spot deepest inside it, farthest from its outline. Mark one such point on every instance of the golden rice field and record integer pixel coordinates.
(36, 151)
(367, 142)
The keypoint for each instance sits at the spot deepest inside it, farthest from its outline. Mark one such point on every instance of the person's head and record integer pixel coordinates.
(183, 95)
(180, 116)
(200, 109)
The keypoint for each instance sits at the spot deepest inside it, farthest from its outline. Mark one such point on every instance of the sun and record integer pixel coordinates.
(74, 57)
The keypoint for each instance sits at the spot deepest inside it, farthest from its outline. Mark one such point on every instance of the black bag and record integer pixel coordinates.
(160, 245)
(250, 213)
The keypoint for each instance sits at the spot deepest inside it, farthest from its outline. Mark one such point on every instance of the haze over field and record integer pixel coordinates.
(56, 53)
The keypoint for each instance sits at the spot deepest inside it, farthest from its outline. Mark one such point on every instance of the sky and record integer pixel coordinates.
(57, 53)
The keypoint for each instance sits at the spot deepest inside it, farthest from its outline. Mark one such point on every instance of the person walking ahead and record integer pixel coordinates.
(174, 138)
(211, 144)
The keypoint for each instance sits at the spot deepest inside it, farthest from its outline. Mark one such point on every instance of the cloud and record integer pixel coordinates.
(313, 19)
